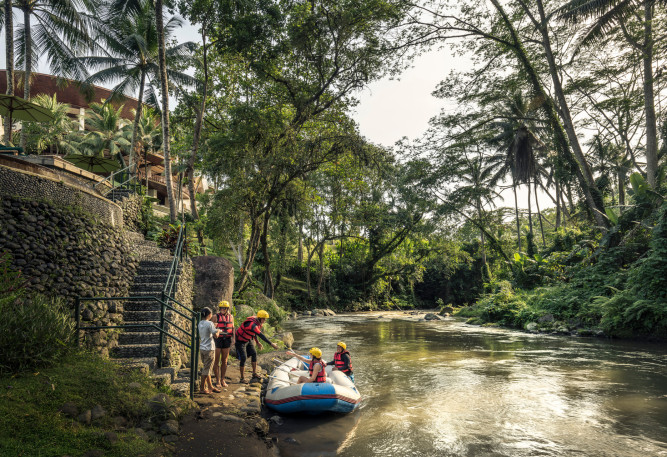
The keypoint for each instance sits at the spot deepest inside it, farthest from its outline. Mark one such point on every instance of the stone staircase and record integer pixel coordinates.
(138, 348)
(117, 195)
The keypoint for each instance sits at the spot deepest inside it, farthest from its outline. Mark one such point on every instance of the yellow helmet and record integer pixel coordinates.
(262, 314)
(341, 344)
(315, 352)
(223, 304)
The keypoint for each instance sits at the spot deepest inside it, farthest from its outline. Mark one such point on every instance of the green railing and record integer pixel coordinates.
(120, 179)
(165, 300)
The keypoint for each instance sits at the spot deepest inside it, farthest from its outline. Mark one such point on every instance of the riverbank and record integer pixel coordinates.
(86, 405)
(230, 423)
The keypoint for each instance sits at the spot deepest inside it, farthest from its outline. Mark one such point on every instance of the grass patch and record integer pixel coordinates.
(31, 425)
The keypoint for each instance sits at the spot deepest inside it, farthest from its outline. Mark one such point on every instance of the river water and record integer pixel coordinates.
(443, 388)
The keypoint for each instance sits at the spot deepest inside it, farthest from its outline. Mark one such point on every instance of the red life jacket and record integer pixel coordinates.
(338, 361)
(247, 330)
(225, 324)
(321, 376)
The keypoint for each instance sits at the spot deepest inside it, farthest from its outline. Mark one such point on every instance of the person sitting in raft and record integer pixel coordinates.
(342, 360)
(248, 331)
(315, 366)
(224, 321)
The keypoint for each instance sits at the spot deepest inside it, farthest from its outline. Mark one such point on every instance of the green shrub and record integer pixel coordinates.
(34, 332)
(257, 300)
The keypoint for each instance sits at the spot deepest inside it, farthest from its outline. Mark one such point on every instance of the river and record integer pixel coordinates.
(444, 388)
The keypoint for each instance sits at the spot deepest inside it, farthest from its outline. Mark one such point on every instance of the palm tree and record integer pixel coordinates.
(608, 16)
(122, 7)
(517, 135)
(131, 59)
(53, 134)
(108, 133)
(60, 32)
(9, 47)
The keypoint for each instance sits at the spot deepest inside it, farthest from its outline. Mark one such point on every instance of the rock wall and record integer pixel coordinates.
(176, 355)
(131, 207)
(68, 252)
(214, 281)
(31, 186)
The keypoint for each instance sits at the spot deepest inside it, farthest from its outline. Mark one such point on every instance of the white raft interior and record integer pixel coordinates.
(338, 394)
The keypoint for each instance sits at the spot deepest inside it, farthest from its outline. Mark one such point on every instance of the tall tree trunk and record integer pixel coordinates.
(308, 282)
(516, 211)
(137, 117)
(299, 252)
(9, 44)
(197, 134)
(195, 142)
(539, 216)
(621, 188)
(530, 211)
(321, 278)
(649, 98)
(268, 277)
(558, 213)
(591, 192)
(482, 237)
(164, 89)
(563, 133)
(251, 251)
(28, 68)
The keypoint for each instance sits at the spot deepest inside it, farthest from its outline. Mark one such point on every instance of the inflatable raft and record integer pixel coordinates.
(338, 394)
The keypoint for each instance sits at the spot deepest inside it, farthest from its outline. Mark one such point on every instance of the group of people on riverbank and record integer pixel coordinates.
(217, 333)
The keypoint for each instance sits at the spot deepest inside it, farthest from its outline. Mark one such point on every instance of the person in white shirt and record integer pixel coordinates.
(207, 332)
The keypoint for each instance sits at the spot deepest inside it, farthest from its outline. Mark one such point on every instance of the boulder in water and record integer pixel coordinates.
(432, 317)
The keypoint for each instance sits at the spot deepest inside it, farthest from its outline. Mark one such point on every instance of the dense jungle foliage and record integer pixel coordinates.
(536, 200)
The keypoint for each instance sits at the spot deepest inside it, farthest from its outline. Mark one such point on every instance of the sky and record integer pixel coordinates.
(388, 109)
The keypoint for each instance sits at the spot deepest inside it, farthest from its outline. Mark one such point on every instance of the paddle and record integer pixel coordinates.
(283, 380)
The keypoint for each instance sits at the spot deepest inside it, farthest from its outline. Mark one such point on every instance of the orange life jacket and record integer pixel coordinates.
(321, 375)
(247, 330)
(225, 324)
(339, 364)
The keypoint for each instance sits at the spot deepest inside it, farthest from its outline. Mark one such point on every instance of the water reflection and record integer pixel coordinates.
(447, 389)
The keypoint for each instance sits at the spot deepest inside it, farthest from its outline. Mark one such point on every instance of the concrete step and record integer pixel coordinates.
(154, 264)
(138, 338)
(141, 316)
(134, 351)
(150, 278)
(143, 305)
(147, 286)
(142, 329)
(143, 364)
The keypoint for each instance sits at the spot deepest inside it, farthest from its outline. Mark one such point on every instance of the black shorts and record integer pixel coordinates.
(223, 342)
(241, 352)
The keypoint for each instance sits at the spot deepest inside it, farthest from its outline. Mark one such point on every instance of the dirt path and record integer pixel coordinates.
(228, 423)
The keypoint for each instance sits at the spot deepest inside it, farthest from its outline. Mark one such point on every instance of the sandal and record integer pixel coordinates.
(216, 390)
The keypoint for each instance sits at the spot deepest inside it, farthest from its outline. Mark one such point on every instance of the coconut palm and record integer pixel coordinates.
(53, 134)
(9, 47)
(608, 17)
(124, 6)
(131, 59)
(59, 32)
(108, 134)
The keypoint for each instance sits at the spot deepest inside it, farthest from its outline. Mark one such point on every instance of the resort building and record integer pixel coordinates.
(150, 165)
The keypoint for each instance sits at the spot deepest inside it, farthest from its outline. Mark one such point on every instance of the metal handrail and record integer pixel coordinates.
(165, 301)
(128, 174)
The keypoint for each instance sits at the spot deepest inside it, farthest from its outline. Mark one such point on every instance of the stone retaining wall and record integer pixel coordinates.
(28, 185)
(131, 207)
(67, 252)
